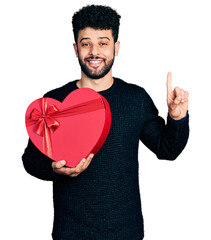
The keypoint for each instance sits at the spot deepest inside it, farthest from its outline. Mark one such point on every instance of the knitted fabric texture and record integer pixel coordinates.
(103, 202)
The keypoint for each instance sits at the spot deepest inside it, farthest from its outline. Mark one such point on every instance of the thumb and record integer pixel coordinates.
(58, 164)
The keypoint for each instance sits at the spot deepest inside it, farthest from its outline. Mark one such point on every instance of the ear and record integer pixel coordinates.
(117, 46)
(76, 49)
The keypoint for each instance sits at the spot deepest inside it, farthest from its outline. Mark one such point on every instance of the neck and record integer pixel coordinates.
(96, 84)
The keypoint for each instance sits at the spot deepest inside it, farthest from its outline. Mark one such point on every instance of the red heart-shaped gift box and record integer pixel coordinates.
(72, 129)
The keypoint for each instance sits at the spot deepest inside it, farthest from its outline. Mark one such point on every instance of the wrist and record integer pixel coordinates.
(179, 119)
(176, 115)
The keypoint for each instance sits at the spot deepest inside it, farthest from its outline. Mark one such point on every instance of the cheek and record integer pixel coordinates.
(109, 53)
(82, 56)
(82, 53)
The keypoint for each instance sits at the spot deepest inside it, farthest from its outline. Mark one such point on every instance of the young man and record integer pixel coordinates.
(99, 198)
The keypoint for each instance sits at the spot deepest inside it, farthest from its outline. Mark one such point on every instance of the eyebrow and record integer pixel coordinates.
(98, 38)
(104, 38)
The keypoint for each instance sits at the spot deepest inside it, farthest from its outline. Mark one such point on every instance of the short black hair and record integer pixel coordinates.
(97, 17)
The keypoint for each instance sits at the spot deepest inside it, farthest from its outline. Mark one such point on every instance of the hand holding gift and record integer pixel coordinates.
(59, 167)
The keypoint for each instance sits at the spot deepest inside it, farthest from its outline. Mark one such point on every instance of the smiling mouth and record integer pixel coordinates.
(94, 62)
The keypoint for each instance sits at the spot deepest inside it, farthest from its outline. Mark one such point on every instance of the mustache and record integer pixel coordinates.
(94, 58)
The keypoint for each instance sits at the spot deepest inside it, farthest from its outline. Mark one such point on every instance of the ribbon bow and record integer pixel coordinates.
(45, 124)
(44, 120)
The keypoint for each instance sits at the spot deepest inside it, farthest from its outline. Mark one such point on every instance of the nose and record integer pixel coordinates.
(94, 50)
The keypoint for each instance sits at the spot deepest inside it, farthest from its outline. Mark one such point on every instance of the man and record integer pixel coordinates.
(99, 198)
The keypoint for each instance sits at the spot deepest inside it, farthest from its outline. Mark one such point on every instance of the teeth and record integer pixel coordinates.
(95, 61)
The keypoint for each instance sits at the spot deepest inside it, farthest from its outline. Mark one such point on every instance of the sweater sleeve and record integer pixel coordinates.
(36, 163)
(166, 140)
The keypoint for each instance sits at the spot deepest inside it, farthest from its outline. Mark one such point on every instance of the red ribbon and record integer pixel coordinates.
(45, 123)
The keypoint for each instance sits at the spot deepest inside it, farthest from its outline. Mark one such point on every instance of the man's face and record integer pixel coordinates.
(96, 51)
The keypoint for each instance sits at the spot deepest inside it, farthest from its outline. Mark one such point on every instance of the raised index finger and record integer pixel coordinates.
(169, 83)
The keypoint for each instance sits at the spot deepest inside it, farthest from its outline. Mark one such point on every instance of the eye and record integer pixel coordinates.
(85, 44)
(103, 44)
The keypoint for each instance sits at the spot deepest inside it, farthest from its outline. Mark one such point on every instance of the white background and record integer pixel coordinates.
(36, 55)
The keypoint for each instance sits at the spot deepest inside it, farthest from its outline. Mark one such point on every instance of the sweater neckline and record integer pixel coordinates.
(108, 90)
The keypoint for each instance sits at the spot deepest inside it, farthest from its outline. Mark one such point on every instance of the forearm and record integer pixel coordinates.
(166, 140)
(173, 139)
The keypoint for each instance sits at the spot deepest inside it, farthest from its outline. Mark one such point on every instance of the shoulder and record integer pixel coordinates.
(134, 95)
(131, 89)
(61, 92)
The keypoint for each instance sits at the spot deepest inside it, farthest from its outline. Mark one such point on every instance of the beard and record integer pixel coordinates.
(97, 74)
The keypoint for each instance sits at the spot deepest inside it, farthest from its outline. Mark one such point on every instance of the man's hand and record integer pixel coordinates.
(59, 167)
(177, 100)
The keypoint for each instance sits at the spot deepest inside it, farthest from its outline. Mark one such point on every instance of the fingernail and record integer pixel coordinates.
(83, 160)
(63, 162)
(92, 155)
